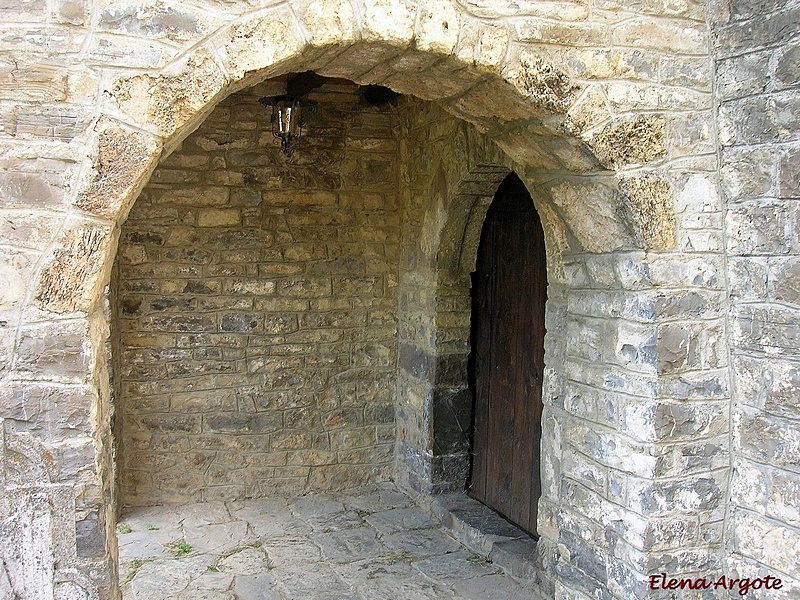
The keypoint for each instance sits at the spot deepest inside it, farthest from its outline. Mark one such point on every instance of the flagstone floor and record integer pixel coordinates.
(370, 544)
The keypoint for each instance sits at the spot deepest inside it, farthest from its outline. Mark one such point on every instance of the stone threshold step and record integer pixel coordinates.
(485, 532)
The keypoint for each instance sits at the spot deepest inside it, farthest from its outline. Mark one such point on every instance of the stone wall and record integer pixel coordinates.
(255, 307)
(759, 115)
(450, 174)
(605, 108)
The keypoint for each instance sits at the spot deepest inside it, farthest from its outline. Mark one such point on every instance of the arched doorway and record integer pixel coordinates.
(509, 294)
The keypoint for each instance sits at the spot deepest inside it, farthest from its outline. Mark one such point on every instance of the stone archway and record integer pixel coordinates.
(613, 237)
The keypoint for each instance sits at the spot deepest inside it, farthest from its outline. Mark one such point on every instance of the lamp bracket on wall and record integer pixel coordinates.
(288, 118)
(290, 110)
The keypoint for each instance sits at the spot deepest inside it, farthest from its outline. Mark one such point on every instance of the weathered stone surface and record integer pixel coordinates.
(124, 159)
(72, 276)
(545, 85)
(593, 212)
(629, 142)
(327, 21)
(171, 100)
(261, 42)
(389, 20)
(438, 26)
(653, 209)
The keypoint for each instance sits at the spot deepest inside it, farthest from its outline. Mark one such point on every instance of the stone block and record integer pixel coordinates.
(76, 267)
(681, 37)
(788, 62)
(686, 71)
(766, 437)
(50, 412)
(789, 174)
(766, 328)
(759, 538)
(326, 21)
(685, 495)
(438, 26)
(218, 217)
(388, 20)
(17, 269)
(758, 229)
(784, 497)
(589, 209)
(173, 99)
(451, 421)
(244, 45)
(768, 384)
(483, 44)
(60, 350)
(769, 28)
(115, 51)
(574, 34)
(36, 188)
(743, 75)
(674, 346)
(155, 21)
(122, 159)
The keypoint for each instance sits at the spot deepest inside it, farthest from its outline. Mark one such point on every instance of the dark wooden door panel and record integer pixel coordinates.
(509, 293)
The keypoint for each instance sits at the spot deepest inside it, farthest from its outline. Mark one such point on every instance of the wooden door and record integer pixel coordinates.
(507, 362)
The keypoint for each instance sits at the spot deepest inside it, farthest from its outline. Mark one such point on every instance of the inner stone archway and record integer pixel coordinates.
(598, 232)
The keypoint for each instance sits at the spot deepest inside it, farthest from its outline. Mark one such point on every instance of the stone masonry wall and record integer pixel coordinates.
(758, 80)
(449, 175)
(256, 309)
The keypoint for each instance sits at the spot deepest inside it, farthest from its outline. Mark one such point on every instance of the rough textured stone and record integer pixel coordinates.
(652, 207)
(70, 280)
(169, 101)
(124, 159)
(630, 142)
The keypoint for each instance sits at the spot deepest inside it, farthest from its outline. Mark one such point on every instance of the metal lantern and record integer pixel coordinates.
(288, 113)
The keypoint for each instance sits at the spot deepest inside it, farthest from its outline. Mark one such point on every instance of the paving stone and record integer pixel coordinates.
(320, 581)
(218, 538)
(336, 521)
(397, 553)
(350, 545)
(190, 594)
(256, 587)
(160, 580)
(248, 561)
(391, 521)
(316, 506)
(147, 543)
(204, 513)
(261, 510)
(291, 550)
(151, 518)
(210, 580)
(391, 578)
(455, 566)
(422, 542)
(278, 529)
(381, 499)
(493, 587)
(269, 518)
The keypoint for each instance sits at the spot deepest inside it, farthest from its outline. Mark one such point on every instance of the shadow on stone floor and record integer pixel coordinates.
(373, 543)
